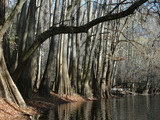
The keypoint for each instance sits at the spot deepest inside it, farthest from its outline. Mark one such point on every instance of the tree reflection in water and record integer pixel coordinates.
(126, 108)
(91, 110)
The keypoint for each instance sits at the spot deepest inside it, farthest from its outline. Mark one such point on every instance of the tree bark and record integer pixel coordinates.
(19, 32)
(49, 72)
(27, 77)
(9, 89)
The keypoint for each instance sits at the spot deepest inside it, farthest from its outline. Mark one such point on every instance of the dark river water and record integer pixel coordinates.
(126, 108)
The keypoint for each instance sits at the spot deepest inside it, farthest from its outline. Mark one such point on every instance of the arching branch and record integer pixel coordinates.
(80, 29)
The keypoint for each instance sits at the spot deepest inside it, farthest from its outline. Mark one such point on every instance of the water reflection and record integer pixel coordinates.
(136, 108)
(127, 108)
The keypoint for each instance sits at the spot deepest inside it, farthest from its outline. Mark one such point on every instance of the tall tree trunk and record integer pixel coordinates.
(60, 84)
(20, 33)
(87, 90)
(64, 81)
(49, 70)
(78, 43)
(74, 65)
(38, 75)
(97, 86)
(9, 89)
(27, 77)
(39, 52)
(6, 48)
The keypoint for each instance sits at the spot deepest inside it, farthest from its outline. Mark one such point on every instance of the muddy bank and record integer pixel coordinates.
(36, 106)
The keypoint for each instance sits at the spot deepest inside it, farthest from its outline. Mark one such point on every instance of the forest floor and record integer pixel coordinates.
(36, 106)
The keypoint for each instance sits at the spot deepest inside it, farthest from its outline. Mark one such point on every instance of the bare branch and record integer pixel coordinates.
(80, 29)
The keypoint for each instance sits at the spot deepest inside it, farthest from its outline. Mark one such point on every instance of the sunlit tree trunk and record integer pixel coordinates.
(86, 87)
(59, 87)
(65, 69)
(78, 47)
(59, 80)
(65, 81)
(39, 52)
(37, 81)
(74, 65)
(48, 75)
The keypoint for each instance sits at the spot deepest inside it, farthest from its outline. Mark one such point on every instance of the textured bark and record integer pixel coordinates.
(38, 76)
(108, 79)
(66, 54)
(49, 72)
(60, 89)
(74, 65)
(6, 48)
(20, 32)
(65, 80)
(39, 57)
(97, 85)
(65, 76)
(4, 85)
(27, 77)
(87, 88)
(78, 47)
(9, 90)
(58, 56)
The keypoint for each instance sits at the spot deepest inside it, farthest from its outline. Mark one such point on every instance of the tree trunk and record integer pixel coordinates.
(60, 83)
(74, 65)
(26, 80)
(78, 46)
(49, 70)
(9, 90)
(87, 90)
(38, 76)
(39, 52)
(65, 71)
(97, 88)
(19, 32)
(64, 81)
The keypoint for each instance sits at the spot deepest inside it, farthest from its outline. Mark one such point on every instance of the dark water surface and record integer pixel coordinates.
(126, 108)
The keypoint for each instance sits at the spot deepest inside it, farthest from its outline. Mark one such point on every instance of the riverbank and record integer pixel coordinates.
(10, 111)
(36, 106)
